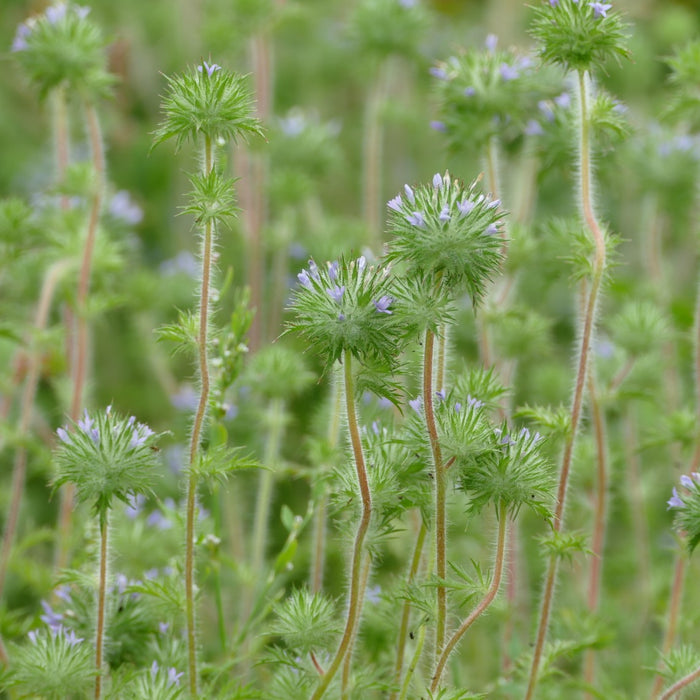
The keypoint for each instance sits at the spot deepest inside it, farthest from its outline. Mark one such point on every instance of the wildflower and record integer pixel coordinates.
(333, 270)
(396, 203)
(163, 627)
(210, 69)
(373, 594)
(493, 204)
(51, 618)
(458, 406)
(445, 214)
(19, 43)
(546, 110)
(416, 404)
(437, 181)
(56, 13)
(553, 3)
(417, 219)
(437, 125)
(382, 304)
(491, 42)
(469, 91)
(361, 263)
(313, 269)
(409, 194)
(140, 435)
(154, 669)
(63, 436)
(407, 4)
(600, 9)
(303, 278)
(439, 73)
(491, 230)
(122, 207)
(675, 501)
(174, 676)
(475, 403)
(563, 100)
(465, 206)
(440, 394)
(533, 128)
(508, 72)
(336, 293)
(687, 482)
(71, 638)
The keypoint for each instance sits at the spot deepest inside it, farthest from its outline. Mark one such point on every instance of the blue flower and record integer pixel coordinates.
(396, 203)
(409, 194)
(382, 305)
(416, 219)
(63, 436)
(437, 181)
(304, 280)
(675, 501)
(469, 91)
(210, 69)
(313, 269)
(600, 9)
(336, 293)
(56, 13)
(174, 676)
(437, 125)
(439, 73)
(445, 214)
(465, 206)
(508, 72)
(491, 42)
(563, 100)
(687, 482)
(333, 270)
(19, 43)
(416, 404)
(533, 128)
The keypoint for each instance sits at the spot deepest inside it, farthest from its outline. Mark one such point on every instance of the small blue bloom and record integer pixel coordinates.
(81, 11)
(19, 43)
(32, 636)
(382, 305)
(491, 42)
(546, 110)
(154, 669)
(439, 73)
(56, 13)
(458, 406)
(491, 230)
(375, 427)
(563, 100)
(313, 269)
(51, 618)
(163, 627)
(408, 4)
(495, 203)
(687, 482)
(373, 594)
(174, 676)
(533, 128)
(63, 436)
(440, 394)
(303, 278)
(333, 270)
(474, 403)
(71, 638)
(396, 203)
(675, 501)
(508, 72)
(416, 219)
(361, 263)
(336, 293)
(123, 207)
(210, 69)
(465, 206)
(445, 214)
(437, 125)
(437, 181)
(553, 3)
(409, 194)
(416, 404)
(469, 91)
(600, 9)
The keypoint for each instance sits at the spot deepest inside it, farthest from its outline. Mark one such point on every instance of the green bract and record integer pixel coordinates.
(212, 198)
(208, 101)
(64, 48)
(574, 35)
(348, 305)
(449, 234)
(106, 457)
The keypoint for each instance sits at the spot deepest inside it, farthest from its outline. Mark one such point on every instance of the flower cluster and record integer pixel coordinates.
(63, 47)
(348, 306)
(579, 35)
(448, 233)
(487, 93)
(687, 508)
(106, 457)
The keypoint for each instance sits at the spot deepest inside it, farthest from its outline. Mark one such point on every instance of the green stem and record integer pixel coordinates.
(196, 438)
(483, 604)
(101, 606)
(682, 683)
(598, 539)
(19, 468)
(79, 361)
(414, 663)
(319, 552)
(440, 492)
(581, 372)
(355, 601)
(265, 485)
(218, 594)
(406, 609)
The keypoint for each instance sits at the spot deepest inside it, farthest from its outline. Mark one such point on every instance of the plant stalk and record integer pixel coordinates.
(682, 683)
(101, 605)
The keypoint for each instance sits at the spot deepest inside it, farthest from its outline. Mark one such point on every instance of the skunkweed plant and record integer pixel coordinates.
(423, 454)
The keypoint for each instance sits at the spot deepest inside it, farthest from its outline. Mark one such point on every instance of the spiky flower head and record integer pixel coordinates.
(579, 35)
(208, 101)
(106, 456)
(687, 508)
(64, 48)
(348, 305)
(448, 233)
(489, 92)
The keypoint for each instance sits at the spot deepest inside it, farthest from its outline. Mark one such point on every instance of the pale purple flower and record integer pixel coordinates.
(416, 404)
(491, 42)
(563, 100)
(687, 481)
(437, 72)
(210, 69)
(375, 427)
(416, 219)
(458, 406)
(553, 3)
(437, 181)
(533, 128)
(124, 208)
(445, 214)
(313, 269)
(409, 194)
(174, 676)
(183, 262)
(361, 263)
(493, 204)
(437, 125)
(491, 230)
(333, 270)
(63, 436)
(19, 43)
(71, 638)
(465, 206)
(293, 124)
(336, 293)
(382, 304)
(408, 4)
(158, 521)
(186, 399)
(50, 618)
(474, 403)
(508, 72)
(546, 110)
(163, 627)
(373, 594)
(140, 435)
(304, 280)
(154, 669)
(297, 251)
(675, 501)
(395, 203)
(469, 91)
(56, 13)
(81, 11)
(600, 9)
(32, 636)
(440, 395)
(135, 506)
(524, 62)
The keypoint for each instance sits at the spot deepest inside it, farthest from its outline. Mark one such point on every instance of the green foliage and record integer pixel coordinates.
(212, 200)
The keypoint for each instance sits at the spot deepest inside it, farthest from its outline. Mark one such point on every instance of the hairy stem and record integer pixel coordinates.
(355, 597)
(483, 604)
(682, 683)
(440, 492)
(598, 539)
(19, 467)
(79, 360)
(196, 438)
(414, 663)
(347, 664)
(101, 606)
(581, 370)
